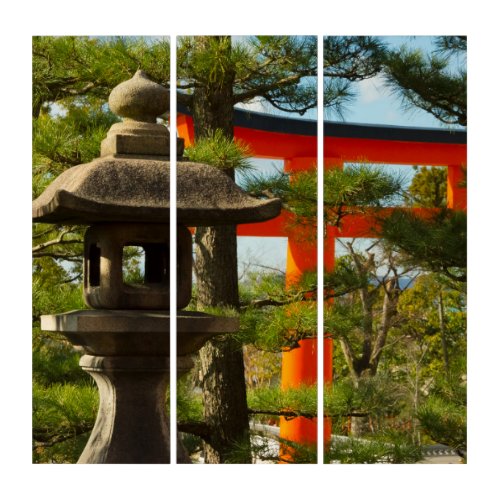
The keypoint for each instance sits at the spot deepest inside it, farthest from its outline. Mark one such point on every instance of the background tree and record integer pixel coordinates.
(427, 188)
(370, 313)
(432, 354)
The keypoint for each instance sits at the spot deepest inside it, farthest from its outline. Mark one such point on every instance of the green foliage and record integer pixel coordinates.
(445, 423)
(279, 328)
(279, 70)
(373, 396)
(282, 72)
(262, 368)
(54, 360)
(346, 191)
(207, 60)
(297, 401)
(219, 151)
(437, 243)
(133, 265)
(449, 45)
(67, 67)
(431, 82)
(298, 193)
(428, 188)
(66, 140)
(63, 414)
(419, 310)
(274, 318)
(342, 319)
(389, 447)
(256, 285)
(348, 59)
(51, 295)
(344, 279)
(64, 401)
(358, 185)
(443, 415)
(189, 406)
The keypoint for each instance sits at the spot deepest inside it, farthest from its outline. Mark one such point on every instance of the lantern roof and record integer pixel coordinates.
(131, 179)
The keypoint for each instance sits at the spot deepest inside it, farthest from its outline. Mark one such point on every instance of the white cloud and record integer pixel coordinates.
(257, 105)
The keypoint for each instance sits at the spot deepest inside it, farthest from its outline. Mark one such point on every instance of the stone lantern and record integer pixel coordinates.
(123, 197)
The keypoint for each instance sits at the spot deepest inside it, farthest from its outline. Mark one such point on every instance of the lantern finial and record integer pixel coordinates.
(140, 101)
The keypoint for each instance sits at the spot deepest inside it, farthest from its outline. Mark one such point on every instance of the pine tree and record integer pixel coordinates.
(436, 83)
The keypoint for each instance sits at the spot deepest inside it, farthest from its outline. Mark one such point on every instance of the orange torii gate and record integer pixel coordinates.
(295, 142)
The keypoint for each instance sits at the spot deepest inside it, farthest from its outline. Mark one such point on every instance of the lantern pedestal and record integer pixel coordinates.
(128, 355)
(132, 425)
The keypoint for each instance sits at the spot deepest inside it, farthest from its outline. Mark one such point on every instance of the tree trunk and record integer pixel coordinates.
(224, 399)
(222, 369)
(360, 425)
(223, 376)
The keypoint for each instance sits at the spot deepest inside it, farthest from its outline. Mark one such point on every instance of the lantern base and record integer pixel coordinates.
(132, 424)
(128, 355)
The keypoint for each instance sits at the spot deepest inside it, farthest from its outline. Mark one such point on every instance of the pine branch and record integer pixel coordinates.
(270, 268)
(283, 413)
(59, 256)
(266, 302)
(294, 414)
(58, 241)
(43, 233)
(299, 110)
(307, 295)
(77, 92)
(42, 440)
(262, 90)
(200, 429)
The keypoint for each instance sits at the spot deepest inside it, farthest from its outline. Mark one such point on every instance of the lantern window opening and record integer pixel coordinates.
(151, 265)
(94, 274)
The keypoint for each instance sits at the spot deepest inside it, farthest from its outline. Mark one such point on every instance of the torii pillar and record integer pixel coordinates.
(456, 190)
(300, 365)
